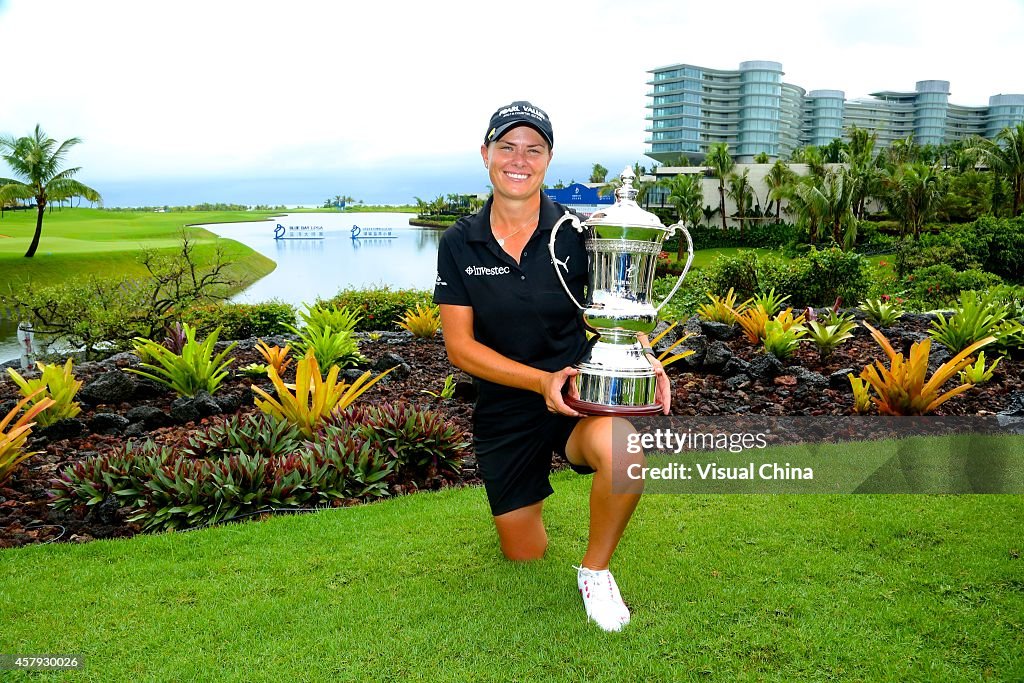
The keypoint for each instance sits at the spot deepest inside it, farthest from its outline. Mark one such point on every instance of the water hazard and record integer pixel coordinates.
(319, 253)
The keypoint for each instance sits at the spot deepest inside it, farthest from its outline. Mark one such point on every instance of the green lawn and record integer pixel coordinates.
(702, 258)
(722, 588)
(78, 242)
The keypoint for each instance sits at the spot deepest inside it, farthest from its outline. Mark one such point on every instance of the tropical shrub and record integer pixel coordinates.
(940, 285)
(12, 440)
(976, 318)
(242, 321)
(338, 318)
(195, 369)
(55, 382)
(825, 275)
(314, 397)
(902, 388)
(379, 306)
(687, 298)
(423, 322)
(1004, 238)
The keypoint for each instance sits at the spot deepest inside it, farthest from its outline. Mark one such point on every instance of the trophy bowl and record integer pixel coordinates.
(616, 377)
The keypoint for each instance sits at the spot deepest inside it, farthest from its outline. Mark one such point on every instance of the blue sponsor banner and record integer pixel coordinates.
(579, 194)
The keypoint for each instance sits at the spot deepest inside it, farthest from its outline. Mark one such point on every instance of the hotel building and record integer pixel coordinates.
(753, 111)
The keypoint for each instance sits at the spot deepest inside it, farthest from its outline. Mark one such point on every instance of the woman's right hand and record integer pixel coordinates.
(551, 390)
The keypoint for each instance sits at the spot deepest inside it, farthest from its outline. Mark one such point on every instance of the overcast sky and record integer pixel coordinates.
(387, 100)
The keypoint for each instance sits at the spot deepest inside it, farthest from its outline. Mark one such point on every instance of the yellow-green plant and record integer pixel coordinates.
(56, 382)
(447, 389)
(782, 341)
(902, 389)
(752, 319)
(314, 397)
(275, 356)
(12, 441)
(977, 373)
(423, 321)
(195, 369)
(770, 301)
(861, 394)
(721, 310)
(828, 337)
(786, 319)
(666, 357)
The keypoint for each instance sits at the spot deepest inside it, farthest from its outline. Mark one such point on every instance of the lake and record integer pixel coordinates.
(357, 250)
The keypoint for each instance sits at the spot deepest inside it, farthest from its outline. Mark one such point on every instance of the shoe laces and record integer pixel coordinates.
(600, 584)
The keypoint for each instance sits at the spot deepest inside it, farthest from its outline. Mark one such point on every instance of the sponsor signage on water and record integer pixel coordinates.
(372, 233)
(299, 232)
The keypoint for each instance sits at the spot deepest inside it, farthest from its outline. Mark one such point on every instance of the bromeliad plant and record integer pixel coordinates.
(977, 373)
(752, 319)
(666, 357)
(447, 389)
(721, 310)
(782, 341)
(902, 388)
(275, 356)
(418, 439)
(195, 369)
(55, 382)
(314, 397)
(975, 318)
(861, 394)
(423, 321)
(881, 313)
(770, 301)
(827, 338)
(12, 441)
(327, 332)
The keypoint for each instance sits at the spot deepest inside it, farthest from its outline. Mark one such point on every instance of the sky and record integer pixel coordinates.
(293, 102)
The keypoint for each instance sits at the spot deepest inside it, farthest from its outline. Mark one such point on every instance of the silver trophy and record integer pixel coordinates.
(623, 243)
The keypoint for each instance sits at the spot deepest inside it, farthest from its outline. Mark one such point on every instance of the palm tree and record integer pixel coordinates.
(807, 200)
(762, 158)
(913, 193)
(779, 177)
(687, 196)
(837, 189)
(598, 174)
(38, 160)
(741, 193)
(721, 164)
(1005, 156)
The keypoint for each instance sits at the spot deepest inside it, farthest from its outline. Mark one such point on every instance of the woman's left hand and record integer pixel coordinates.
(664, 391)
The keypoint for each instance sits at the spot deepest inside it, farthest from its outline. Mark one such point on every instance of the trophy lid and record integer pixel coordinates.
(625, 211)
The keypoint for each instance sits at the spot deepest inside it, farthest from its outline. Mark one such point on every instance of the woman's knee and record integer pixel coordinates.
(602, 443)
(521, 533)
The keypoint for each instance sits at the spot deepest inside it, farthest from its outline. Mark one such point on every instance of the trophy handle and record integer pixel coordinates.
(689, 259)
(554, 260)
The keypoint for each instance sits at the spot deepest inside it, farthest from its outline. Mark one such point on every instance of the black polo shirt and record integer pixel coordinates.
(519, 309)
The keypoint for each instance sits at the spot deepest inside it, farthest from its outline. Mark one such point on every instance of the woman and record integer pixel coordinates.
(508, 322)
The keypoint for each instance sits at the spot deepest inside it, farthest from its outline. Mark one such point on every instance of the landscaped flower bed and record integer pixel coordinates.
(725, 375)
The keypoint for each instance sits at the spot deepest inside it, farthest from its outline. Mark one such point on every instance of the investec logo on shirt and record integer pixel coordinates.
(480, 270)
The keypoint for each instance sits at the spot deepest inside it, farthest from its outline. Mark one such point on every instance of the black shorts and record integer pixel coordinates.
(514, 438)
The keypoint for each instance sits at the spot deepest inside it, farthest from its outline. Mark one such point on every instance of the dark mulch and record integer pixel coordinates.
(26, 518)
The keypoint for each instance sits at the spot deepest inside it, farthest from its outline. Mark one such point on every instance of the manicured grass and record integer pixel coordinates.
(702, 258)
(722, 588)
(79, 242)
